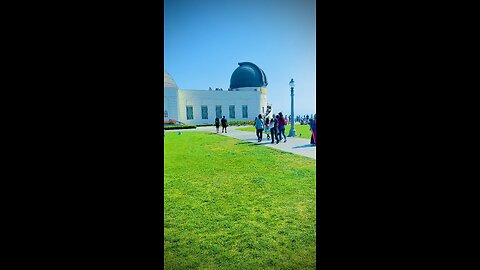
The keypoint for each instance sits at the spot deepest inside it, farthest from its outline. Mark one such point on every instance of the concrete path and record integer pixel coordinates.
(293, 145)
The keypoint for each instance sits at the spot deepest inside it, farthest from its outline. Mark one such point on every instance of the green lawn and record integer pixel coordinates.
(304, 130)
(231, 204)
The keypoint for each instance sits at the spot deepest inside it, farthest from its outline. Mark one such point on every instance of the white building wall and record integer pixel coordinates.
(263, 103)
(170, 101)
(197, 98)
(263, 96)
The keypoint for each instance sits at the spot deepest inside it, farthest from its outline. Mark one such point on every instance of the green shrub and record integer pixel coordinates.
(241, 122)
(179, 127)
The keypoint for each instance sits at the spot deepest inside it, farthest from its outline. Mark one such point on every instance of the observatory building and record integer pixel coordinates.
(245, 99)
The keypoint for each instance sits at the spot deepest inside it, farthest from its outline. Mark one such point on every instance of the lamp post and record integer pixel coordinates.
(292, 133)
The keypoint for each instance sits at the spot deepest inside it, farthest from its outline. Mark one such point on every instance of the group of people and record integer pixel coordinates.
(274, 128)
(224, 124)
(304, 119)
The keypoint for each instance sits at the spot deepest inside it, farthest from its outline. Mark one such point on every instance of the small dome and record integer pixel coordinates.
(168, 81)
(248, 75)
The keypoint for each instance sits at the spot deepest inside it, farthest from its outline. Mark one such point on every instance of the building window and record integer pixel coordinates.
(204, 112)
(165, 114)
(245, 111)
(232, 111)
(218, 111)
(189, 112)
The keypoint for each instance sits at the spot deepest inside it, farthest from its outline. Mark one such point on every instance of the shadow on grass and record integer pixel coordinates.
(244, 143)
(304, 146)
(252, 143)
(247, 143)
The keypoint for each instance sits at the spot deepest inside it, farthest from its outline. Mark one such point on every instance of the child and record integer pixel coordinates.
(267, 127)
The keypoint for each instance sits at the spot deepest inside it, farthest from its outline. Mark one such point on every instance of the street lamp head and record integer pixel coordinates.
(292, 83)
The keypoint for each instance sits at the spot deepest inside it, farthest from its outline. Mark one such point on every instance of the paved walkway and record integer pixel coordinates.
(293, 145)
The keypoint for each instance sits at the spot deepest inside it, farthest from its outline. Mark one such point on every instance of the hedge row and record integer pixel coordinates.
(179, 127)
(230, 123)
(241, 122)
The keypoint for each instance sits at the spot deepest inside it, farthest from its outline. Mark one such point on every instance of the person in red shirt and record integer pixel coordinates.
(282, 122)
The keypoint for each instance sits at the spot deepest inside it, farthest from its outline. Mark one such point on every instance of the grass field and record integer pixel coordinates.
(304, 130)
(231, 204)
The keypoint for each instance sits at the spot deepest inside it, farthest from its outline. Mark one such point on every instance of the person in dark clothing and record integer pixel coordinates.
(224, 124)
(313, 128)
(274, 128)
(217, 123)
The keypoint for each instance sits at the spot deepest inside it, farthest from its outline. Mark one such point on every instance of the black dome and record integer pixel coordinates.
(248, 75)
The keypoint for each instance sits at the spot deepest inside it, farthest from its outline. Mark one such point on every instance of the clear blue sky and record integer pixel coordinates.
(205, 40)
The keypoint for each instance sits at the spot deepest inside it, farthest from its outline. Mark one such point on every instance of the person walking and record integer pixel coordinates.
(259, 126)
(281, 126)
(267, 127)
(217, 123)
(224, 124)
(274, 128)
(313, 128)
